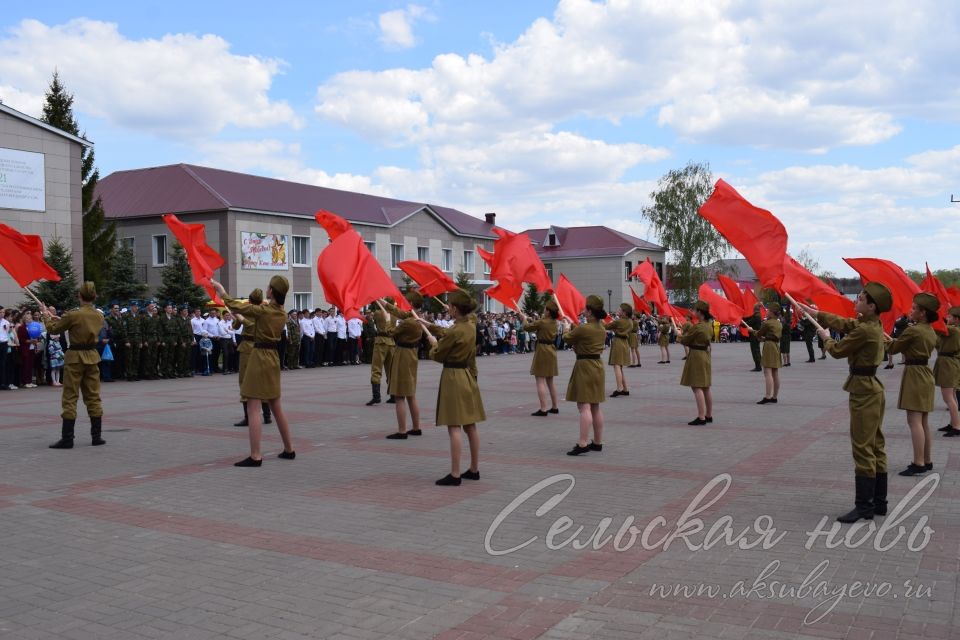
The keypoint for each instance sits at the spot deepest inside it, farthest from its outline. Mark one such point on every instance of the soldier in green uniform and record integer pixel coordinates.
(402, 381)
(663, 339)
(862, 346)
(150, 336)
(133, 345)
(786, 318)
(947, 370)
(544, 366)
(459, 405)
(184, 343)
(243, 351)
(620, 348)
(586, 386)
(754, 322)
(383, 348)
(117, 341)
(261, 382)
(169, 337)
(809, 332)
(81, 367)
(293, 340)
(917, 343)
(634, 343)
(696, 369)
(769, 333)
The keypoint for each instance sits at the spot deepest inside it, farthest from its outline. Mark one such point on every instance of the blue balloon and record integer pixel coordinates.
(34, 330)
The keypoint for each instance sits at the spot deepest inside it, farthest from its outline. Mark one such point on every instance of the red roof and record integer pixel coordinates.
(587, 242)
(184, 188)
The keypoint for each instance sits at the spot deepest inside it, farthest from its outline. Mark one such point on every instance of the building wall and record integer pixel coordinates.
(63, 215)
(598, 275)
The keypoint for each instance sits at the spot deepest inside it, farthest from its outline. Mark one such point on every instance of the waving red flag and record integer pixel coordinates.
(203, 260)
(732, 290)
(932, 284)
(429, 278)
(333, 224)
(639, 304)
(22, 256)
(645, 273)
(351, 277)
(954, 292)
(507, 293)
(571, 301)
(754, 232)
(515, 260)
(725, 311)
(889, 274)
(487, 256)
(801, 284)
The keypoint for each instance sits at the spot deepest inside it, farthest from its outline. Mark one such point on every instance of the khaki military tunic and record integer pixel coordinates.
(862, 346)
(544, 363)
(946, 371)
(383, 347)
(81, 373)
(917, 387)
(770, 332)
(697, 366)
(262, 377)
(402, 381)
(458, 398)
(633, 340)
(619, 346)
(663, 329)
(587, 378)
(244, 349)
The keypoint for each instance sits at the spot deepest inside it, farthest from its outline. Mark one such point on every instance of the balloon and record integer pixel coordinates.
(34, 330)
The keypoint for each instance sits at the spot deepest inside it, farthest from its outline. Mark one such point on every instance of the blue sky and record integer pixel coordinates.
(841, 118)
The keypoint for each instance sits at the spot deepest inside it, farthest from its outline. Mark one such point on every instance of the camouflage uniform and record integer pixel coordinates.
(117, 344)
(293, 344)
(150, 335)
(133, 336)
(169, 338)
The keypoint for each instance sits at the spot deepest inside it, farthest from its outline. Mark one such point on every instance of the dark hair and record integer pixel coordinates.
(464, 309)
(553, 314)
(278, 297)
(597, 312)
(932, 316)
(869, 300)
(705, 315)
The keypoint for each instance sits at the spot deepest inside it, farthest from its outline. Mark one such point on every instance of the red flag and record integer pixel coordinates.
(429, 278)
(515, 260)
(507, 293)
(800, 283)
(22, 256)
(571, 301)
(202, 258)
(732, 290)
(333, 224)
(889, 274)
(725, 311)
(932, 284)
(351, 277)
(954, 292)
(754, 232)
(487, 256)
(645, 273)
(639, 304)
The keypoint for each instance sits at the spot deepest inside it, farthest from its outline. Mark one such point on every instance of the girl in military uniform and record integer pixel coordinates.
(663, 338)
(696, 370)
(633, 341)
(544, 365)
(402, 380)
(586, 386)
(769, 334)
(947, 370)
(243, 351)
(916, 343)
(620, 347)
(459, 406)
(261, 381)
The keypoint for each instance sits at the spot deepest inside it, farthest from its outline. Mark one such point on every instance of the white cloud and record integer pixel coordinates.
(180, 85)
(396, 27)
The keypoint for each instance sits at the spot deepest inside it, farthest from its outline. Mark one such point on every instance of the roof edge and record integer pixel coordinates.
(43, 125)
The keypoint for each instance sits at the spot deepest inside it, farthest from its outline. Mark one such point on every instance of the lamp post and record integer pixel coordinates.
(609, 294)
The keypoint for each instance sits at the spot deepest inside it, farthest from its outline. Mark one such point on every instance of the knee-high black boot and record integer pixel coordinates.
(266, 413)
(863, 503)
(243, 422)
(376, 395)
(96, 426)
(66, 435)
(880, 495)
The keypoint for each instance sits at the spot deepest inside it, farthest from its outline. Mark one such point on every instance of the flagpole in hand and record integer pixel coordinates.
(559, 307)
(43, 307)
(803, 308)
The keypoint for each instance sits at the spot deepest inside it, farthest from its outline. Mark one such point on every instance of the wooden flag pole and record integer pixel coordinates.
(43, 307)
(804, 311)
(559, 308)
(441, 302)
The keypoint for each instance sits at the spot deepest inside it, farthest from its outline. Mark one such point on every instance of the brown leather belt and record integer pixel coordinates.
(863, 371)
(589, 356)
(456, 365)
(408, 345)
(697, 347)
(917, 362)
(948, 354)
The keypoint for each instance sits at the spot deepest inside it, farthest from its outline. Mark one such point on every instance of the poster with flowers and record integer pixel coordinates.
(263, 251)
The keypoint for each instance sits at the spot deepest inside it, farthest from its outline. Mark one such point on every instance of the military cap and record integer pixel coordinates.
(595, 302)
(461, 298)
(927, 301)
(551, 305)
(88, 291)
(280, 284)
(774, 308)
(880, 295)
(413, 297)
(701, 306)
(954, 311)
(626, 308)
(256, 296)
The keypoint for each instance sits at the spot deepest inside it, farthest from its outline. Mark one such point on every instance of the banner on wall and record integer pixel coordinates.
(263, 251)
(22, 184)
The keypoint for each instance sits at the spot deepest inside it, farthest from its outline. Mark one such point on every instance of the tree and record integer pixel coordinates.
(178, 286)
(464, 280)
(99, 236)
(533, 302)
(62, 294)
(679, 227)
(122, 284)
(807, 260)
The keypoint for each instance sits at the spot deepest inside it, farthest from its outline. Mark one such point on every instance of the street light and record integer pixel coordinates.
(609, 293)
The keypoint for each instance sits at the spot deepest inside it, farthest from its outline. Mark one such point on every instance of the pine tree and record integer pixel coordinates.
(533, 302)
(464, 281)
(62, 294)
(99, 236)
(178, 286)
(122, 285)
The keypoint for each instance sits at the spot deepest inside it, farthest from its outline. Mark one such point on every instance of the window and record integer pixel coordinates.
(549, 267)
(160, 251)
(552, 240)
(301, 252)
(423, 254)
(486, 268)
(659, 266)
(446, 260)
(487, 303)
(468, 265)
(627, 268)
(371, 247)
(129, 243)
(396, 255)
(303, 301)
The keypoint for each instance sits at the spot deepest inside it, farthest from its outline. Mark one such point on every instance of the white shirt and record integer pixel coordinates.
(4, 330)
(318, 325)
(306, 327)
(212, 326)
(341, 328)
(354, 327)
(226, 329)
(331, 324)
(196, 325)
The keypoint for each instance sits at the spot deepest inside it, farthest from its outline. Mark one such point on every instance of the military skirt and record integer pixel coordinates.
(261, 379)
(243, 353)
(402, 381)
(633, 341)
(946, 372)
(785, 340)
(770, 356)
(619, 352)
(458, 398)
(696, 369)
(586, 382)
(544, 363)
(664, 338)
(917, 388)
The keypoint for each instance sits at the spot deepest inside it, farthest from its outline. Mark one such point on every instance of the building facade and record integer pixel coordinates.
(40, 187)
(263, 226)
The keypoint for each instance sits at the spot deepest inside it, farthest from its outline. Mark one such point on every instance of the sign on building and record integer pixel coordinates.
(263, 251)
(22, 183)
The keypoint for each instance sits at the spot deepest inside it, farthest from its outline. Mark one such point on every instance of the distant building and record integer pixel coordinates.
(596, 259)
(262, 226)
(40, 189)
(737, 269)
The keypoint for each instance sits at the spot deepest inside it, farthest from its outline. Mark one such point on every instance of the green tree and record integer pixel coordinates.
(533, 302)
(464, 281)
(178, 286)
(678, 226)
(99, 236)
(121, 284)
(62, 294)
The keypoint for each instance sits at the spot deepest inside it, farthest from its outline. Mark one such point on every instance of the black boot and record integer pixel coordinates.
(96, 424)
(376, 395)
(266, 413)
(391, 400)
(66, 436)
(863, 502)
(880, 495)
(243, 422)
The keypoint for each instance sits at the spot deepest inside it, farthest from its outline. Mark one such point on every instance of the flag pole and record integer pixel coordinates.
(439, 301)
(804, 311)
(43, 307)
(559, 308)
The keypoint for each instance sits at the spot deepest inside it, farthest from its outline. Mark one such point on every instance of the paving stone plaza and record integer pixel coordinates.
(157, 535)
